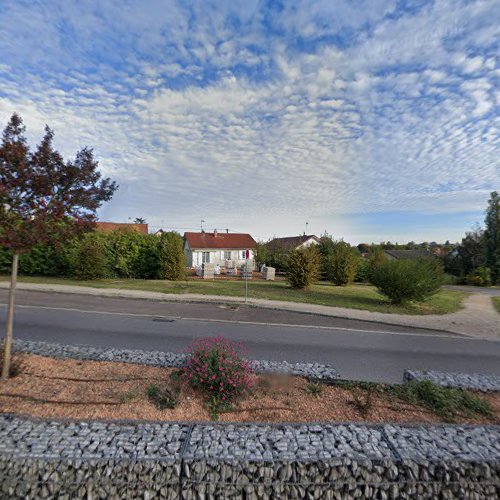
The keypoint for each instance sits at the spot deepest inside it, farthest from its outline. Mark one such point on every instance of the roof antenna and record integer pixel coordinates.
(201, 224)
(307, 225)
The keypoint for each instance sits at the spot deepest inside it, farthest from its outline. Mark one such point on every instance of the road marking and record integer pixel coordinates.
(255, 323)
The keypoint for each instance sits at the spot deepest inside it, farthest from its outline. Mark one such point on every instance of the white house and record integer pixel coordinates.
(216, 248)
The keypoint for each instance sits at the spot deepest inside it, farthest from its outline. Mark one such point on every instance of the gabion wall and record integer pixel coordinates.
(94, 460)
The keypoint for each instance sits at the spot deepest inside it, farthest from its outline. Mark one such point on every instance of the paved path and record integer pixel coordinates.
(491, 291)
(477, 319)
(359, 350)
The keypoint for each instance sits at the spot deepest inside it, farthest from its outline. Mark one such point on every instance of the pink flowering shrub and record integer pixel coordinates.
(217, 368)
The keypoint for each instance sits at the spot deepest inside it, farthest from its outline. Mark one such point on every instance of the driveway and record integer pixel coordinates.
(492, 292)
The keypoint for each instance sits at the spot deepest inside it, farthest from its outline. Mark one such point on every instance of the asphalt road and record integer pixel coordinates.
(359, 350)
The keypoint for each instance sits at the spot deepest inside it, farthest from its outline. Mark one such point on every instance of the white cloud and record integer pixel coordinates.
(400, 118)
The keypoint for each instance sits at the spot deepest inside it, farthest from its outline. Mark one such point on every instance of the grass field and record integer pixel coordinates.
(496, 303)
(353, 296)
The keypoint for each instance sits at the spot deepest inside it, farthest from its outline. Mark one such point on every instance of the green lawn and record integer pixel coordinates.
(353, 296)
(496, 303)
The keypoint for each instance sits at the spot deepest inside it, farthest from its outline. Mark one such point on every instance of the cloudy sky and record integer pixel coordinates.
(372, 120)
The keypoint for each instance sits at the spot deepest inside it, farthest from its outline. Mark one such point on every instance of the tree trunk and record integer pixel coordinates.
(7, 347)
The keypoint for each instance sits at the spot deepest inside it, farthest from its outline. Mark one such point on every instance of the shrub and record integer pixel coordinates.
(273, 254)
(377, 258)
(363, 272)
(88, 258)
(5, 260)
(125, 250)
(147, 265)
(162, 397)
(42, 260)
(407, 280)
(481, 276)
(217, 368)
(444, 401)
(314, 389)
(171, 255)
(303, 267)
(341, 263)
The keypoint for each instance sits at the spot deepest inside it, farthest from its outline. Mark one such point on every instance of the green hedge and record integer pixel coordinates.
(119, 254)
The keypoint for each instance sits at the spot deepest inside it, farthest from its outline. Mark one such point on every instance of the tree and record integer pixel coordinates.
(139, 220)
(492, 236)
(342, 263)
(43, 198)
(376, 259)
(472, 250)
(172, 258)
(303, 267)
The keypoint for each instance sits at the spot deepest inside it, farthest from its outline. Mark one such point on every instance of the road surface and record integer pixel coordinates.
(358, 349)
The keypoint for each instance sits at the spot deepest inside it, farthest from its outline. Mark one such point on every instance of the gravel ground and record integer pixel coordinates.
(164, 359)
(474, 382)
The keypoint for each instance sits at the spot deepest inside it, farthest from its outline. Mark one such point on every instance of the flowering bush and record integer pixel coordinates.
(216, 367)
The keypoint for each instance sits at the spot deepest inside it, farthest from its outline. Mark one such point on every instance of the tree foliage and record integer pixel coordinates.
(304, 266)
(492, 236)
(89, 257)
(42, 196)
(341, 263)
(171, 256)
(481, 276)
(273, 254)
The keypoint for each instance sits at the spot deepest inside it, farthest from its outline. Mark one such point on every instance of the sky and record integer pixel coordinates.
(372, 120)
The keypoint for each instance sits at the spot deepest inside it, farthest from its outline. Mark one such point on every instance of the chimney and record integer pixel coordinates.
(227, 231)
(215, 233)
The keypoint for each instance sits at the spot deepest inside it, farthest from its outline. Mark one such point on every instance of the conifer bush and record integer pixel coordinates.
(304, 266)
(342, 263)
(408, 280)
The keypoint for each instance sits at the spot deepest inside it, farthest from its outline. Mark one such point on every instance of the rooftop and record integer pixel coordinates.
(215, 240)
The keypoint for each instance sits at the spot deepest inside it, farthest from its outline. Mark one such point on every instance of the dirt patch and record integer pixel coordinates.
(51, 388)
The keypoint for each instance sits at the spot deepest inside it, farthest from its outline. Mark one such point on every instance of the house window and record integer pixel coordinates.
(205, 257)
(243, 254)
(227, 255)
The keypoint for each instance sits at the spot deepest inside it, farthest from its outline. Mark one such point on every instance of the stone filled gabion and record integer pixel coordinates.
(474, 381)
(165, 359)
(54, 459)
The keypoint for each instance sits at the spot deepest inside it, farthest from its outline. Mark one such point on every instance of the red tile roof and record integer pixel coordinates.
(113, 226)
(233, 241)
